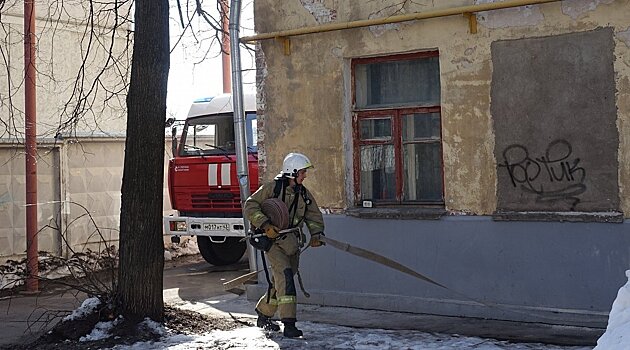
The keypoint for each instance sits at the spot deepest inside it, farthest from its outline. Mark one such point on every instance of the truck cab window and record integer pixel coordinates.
(208, 136)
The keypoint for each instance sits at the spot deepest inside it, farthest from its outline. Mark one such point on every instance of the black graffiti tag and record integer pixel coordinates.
(555, 176)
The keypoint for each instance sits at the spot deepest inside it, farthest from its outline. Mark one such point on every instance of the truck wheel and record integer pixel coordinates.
(220, 254)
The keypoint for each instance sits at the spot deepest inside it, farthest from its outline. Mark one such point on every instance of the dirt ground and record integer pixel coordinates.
(66, 335)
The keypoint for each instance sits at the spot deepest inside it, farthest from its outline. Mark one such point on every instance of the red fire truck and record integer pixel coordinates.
(202, 178)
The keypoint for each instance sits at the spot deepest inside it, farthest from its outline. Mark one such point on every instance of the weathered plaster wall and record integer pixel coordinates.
(304, 104)
(304, 122)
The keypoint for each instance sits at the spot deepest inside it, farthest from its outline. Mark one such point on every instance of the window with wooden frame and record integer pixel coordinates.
(397, 130)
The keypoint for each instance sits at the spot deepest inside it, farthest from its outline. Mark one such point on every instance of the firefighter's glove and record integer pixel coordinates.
(271, 231)
(316, 240)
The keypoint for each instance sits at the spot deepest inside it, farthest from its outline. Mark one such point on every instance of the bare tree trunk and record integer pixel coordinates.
(141, 244)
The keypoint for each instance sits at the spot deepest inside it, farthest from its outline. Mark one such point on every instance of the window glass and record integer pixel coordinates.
(376, 129)
(398, 83)
(209, 135)
(421, 126)
(422, 174)
(251, 129)
(378, 172)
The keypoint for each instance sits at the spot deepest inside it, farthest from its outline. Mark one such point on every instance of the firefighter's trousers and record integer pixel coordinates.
(284, 260)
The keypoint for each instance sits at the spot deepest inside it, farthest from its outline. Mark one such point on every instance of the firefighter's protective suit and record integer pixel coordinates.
(284, 252)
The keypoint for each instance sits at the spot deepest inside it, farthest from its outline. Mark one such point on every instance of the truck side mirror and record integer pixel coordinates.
(174, 140)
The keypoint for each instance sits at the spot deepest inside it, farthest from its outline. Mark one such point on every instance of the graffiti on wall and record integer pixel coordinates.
(553, 176)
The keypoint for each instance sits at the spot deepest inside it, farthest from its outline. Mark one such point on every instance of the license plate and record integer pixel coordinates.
(216, 227)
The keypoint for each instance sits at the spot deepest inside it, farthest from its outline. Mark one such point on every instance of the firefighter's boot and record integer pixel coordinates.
(290, 331)
(266, 323)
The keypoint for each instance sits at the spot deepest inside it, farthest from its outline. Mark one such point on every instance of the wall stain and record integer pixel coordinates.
(322, 10)
(624, 36)
(523, 16)
(578, 8)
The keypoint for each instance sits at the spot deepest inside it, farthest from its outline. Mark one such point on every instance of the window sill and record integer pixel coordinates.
(604, 217)
(397, 213)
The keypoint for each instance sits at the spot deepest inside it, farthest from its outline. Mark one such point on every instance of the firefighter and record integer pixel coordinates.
(284, 252)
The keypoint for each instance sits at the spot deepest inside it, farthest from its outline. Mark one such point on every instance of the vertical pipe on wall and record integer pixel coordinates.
(65, 232)
(30, 125)
(225, 47)
(239, 118)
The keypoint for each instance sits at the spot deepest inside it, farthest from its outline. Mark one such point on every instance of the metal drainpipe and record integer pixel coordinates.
(239, 119)
(395, 19)
(225, 47)
(32, 284)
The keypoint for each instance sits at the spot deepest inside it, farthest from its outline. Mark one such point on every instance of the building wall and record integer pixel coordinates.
(557, 273)
(66, 49)
(530, 262)
(78, 196)
(79, 173)
(309, 89)
(13, 200)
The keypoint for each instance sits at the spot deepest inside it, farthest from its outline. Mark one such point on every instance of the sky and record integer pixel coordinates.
(194, 74)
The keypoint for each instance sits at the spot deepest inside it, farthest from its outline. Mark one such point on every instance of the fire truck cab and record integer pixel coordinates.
(202, 178)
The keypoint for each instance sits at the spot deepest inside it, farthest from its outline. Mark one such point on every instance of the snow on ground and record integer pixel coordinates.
(185, 247)
(86, 308)
(617, 335)
(326, 336)
(101, 330)
(10, 280)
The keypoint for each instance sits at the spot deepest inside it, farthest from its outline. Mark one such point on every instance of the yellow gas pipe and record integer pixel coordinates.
(467, 11)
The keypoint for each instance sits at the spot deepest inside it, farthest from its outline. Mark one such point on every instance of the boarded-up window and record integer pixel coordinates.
(554, 113)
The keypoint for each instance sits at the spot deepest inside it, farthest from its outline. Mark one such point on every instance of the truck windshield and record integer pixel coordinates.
(214, 135)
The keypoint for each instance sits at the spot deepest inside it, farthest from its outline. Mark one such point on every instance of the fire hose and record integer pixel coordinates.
(377, 258)
(348, 248)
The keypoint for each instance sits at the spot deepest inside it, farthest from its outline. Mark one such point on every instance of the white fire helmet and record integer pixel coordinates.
(294, 162)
